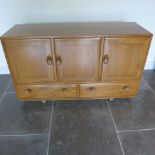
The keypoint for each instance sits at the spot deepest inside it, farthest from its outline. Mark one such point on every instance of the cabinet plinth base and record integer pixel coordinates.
(110, 99)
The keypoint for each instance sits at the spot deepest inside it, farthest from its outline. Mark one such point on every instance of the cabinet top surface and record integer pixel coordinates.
(76, 29)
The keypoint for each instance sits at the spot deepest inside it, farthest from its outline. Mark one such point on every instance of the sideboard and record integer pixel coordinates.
(76, 60)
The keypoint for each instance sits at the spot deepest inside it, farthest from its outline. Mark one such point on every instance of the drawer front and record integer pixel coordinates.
(46, 91)
(108, 90)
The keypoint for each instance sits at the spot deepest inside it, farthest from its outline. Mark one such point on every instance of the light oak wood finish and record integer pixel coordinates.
(123, 58)
(40, 92)
(76, 60)
(31, 60)
(46, 30)
(114, 90)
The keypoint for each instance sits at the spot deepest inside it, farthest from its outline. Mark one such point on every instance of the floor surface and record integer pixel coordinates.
(92, 127)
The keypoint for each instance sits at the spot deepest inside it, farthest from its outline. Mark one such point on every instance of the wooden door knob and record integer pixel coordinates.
(58, 60)
(65, 89)
(91, 89)
(49, 60)
(106, 59)
(28, 91)
(126, 88)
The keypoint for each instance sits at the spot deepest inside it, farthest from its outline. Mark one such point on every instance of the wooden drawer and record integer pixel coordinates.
(35, 92)
(108, 90)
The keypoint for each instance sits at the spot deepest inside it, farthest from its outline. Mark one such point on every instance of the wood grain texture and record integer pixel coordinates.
(126, 58)
(76, 60)
(76, 29)
(28, 60)
(79, 59)
(108, 90)
(70, 91)
(40, 92)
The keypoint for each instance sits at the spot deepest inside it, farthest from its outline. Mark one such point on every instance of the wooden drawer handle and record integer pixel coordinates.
(49, 60)
(126, 88)
(58, 60)
(65, 89)
(91, 89)
(106, 59)
(28, 91)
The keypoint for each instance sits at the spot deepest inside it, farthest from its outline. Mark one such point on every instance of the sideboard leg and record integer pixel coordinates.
(110, 99)
(43, 101)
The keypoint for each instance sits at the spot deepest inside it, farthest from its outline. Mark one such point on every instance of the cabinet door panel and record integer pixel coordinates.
(30, 60)
(124, 58)
(77, 59)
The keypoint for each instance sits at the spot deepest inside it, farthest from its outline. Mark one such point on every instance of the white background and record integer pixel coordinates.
(37, 11)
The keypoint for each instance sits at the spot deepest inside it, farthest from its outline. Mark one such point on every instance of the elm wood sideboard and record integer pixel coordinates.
(76, 60)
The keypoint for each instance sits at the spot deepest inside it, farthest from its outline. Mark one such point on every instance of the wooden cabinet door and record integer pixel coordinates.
(124, 58)
(30, 60)
(77, 59)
